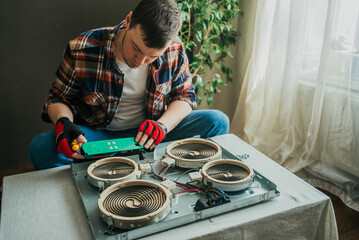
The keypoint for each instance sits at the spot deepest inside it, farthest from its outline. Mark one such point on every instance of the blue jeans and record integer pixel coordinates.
(206, 123)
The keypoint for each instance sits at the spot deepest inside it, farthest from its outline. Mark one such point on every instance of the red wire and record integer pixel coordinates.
(189, 190)
(153, 172)
(214, 191)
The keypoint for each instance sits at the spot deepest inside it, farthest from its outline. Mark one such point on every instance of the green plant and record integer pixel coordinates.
(207, 35)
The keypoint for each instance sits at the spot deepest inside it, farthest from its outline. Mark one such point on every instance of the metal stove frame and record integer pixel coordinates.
(182, 205)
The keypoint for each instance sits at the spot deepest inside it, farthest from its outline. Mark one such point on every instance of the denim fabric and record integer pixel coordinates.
(206, 123)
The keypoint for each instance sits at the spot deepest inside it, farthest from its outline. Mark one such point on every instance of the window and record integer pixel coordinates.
(341, 58)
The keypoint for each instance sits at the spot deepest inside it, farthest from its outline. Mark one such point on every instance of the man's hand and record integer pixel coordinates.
(151, 133)
(65, 132)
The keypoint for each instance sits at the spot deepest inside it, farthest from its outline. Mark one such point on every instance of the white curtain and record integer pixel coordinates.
(299, 102)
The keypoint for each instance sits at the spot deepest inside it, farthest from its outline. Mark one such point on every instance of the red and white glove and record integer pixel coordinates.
(156, 130)
(65, 132)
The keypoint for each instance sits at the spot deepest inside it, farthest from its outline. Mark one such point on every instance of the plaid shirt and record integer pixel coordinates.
(89, 83)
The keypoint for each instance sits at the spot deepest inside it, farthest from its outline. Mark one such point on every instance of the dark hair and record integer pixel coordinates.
(160, 21)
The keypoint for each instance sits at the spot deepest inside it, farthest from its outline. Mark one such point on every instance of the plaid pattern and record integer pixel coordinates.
(88, 82)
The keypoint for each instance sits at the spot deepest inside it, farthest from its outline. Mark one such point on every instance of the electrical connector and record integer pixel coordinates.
(210, 201)
(169, 162)
(195, 176)
(145, 168)
(169, 185)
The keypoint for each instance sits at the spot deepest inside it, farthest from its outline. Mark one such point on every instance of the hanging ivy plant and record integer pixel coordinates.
(207, 35)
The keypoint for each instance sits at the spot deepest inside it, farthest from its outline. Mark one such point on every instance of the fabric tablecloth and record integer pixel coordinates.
(46, 205)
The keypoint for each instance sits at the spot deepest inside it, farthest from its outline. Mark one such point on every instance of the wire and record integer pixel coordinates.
(182, 184)
(165, 168)
(187, 171)
(153, 172)
(225, 195)
(188, 184)
(211, 189)
(189, 190)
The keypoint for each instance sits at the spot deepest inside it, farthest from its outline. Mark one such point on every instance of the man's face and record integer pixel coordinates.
(135, 52)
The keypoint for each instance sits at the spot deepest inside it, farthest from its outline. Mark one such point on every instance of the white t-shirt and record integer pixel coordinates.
(131, 110)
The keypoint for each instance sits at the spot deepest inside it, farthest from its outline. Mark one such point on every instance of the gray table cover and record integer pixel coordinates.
(46, 205)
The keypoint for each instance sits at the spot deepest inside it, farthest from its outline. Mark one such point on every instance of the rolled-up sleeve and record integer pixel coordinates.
(182, 87)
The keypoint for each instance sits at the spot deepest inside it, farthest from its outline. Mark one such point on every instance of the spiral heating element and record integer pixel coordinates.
(134, 201)
(193, 151)
(227, 172)
(113, 170)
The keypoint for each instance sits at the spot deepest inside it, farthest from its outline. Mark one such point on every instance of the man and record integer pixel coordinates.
(131, 80)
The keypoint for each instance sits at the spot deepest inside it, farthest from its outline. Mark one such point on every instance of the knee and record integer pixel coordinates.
(219, 122)
(40, 144)
(35, 145)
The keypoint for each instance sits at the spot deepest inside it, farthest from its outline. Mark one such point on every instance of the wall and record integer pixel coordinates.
(228, 98)
(33, 37)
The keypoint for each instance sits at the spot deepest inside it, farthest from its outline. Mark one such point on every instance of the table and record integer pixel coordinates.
(46, 205)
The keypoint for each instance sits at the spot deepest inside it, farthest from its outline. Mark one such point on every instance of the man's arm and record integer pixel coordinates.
(59, 110)
(175, 113)
(183, 100)
(58, 107)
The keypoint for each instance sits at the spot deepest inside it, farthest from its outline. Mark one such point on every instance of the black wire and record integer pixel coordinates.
(188, 183)
(163, 169)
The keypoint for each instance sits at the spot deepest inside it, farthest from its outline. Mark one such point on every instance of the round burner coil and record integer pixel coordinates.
(193, 153)
(227, 174)
(134, 204)
(107, 171)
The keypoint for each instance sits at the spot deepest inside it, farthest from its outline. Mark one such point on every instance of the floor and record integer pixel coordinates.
(347, 219)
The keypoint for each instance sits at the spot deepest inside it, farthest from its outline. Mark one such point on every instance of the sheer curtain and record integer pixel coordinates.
(299, 102)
